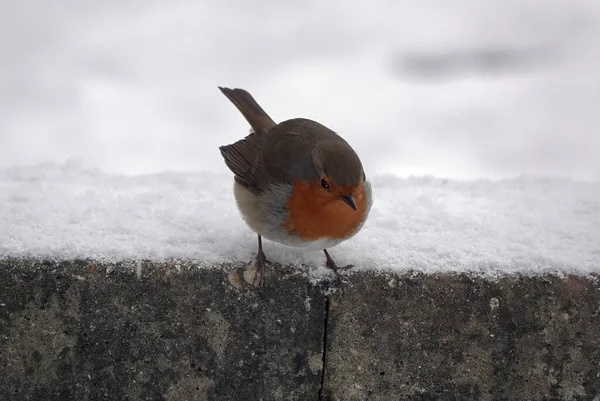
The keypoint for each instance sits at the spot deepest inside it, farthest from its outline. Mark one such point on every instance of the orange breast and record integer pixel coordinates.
(315, 214)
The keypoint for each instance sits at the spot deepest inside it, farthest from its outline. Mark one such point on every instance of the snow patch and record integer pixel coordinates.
(525, 225)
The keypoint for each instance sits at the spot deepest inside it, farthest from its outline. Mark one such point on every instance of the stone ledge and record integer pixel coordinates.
(461, 338)
(88, 331)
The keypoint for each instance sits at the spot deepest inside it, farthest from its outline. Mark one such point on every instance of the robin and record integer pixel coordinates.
(297, 182)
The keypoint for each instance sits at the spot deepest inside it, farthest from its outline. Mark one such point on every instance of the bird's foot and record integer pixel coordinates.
(259, 270)
(330, 264)
(258, 279)
(262, 258)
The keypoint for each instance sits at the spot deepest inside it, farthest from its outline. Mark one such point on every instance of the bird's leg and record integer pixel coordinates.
(261, 261)
(331, 264)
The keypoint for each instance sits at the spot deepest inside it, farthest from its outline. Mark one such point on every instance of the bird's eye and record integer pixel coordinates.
(324, 184)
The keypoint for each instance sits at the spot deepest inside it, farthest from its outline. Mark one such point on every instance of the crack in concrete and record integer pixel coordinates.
(325, 327)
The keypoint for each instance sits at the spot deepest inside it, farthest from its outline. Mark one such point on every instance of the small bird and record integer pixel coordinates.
(297, 183)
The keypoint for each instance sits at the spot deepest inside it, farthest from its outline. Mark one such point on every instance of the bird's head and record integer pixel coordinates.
(339, 173)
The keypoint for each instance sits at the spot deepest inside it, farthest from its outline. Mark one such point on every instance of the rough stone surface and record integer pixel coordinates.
(457, 338)
(87, 331)
(83, 331)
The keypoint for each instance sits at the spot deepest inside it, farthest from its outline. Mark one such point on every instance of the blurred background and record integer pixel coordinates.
(452, 88)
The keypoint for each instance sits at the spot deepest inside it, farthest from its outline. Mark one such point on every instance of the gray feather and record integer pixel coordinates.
(296, 149)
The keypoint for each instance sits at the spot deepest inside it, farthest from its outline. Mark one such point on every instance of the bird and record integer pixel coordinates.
(296, 182)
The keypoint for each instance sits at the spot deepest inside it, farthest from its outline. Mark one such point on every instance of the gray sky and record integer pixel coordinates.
(460, 88)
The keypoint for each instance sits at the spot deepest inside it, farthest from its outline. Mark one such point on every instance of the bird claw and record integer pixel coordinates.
(331, 265)
(259, 265)
(261, 258)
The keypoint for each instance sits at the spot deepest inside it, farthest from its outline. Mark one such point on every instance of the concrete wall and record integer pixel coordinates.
(87, 331)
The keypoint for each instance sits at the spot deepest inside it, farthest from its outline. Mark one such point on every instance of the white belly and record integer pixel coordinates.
(266, 215)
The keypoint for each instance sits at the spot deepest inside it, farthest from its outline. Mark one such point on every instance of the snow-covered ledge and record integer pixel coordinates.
(525, 225)
(115, 287)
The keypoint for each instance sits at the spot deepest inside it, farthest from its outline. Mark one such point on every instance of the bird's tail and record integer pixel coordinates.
(251, 111)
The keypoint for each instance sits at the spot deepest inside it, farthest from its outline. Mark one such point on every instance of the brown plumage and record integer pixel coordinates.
(296, 182)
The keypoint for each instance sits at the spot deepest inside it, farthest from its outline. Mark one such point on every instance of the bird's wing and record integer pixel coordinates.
(244, 159)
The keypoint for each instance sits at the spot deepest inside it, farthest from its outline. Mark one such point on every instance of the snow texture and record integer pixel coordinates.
(527, 225)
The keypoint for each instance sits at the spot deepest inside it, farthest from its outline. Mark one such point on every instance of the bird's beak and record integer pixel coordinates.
(349, 200)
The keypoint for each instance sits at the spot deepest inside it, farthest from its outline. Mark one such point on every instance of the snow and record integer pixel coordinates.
(466, 90)
(527, 225)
